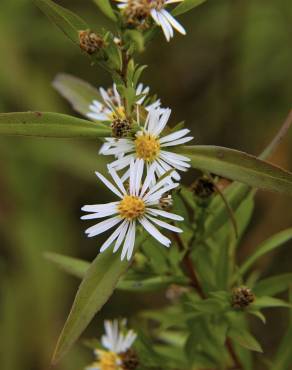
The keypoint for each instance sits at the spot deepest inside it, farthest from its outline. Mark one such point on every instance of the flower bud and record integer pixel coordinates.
(242, 297)
(203, 187)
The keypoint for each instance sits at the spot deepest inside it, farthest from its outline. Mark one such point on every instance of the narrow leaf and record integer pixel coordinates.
(78, 92)
(245, 339)
(273, 285)
(94, 291)
(65, 19)
(72, 266)
(106, 8)
(267, 246)
(239, 166)
(186, 6)
(77, 267)
(44, 124)
(266, 302)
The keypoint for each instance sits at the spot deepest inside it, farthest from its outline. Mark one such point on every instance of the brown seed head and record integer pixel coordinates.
(242, 297)
(90, 42)
(120, 128)
(130, 360)
(137, 13)
(203, 187)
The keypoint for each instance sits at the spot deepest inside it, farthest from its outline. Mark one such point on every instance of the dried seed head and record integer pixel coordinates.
(137, 13)
(120, 128)
(203, 187)
(90, 42)
(242, 297)
(129, 359)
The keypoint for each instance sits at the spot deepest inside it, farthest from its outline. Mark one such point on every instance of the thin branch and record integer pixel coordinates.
(235, 359)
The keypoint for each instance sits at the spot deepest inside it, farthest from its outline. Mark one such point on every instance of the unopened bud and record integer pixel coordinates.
(203, 187)
(242, 297)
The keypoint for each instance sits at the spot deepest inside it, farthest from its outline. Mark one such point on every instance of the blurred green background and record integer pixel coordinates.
(230, 78)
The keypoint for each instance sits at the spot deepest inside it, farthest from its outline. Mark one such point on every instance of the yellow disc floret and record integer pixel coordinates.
(119, 112)
(107, 360)
(147, 147)
(131, 207)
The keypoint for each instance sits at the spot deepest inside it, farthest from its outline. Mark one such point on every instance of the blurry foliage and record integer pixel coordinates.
(230, 78)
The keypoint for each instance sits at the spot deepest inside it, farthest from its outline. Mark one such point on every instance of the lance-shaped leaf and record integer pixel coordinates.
(239, 166)
(267, 246)
(78, 268)
(186, 6)
(245, 339)
(106, 8)
(65, 19)
(97, 286)
(78, 92)
(50, 125)
(273, 285)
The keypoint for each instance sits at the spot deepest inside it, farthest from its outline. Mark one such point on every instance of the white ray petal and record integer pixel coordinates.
(113, 237)
(175, 24)
(165, 225)
(128, 241)
(160, 212)
(102, 226)
(152, 230)
(108, 184)
(174, 136)
(117, 180)
(178, 142)
(121, 237)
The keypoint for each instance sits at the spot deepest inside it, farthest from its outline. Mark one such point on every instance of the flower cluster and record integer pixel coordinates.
(143, 172)
(116, 352)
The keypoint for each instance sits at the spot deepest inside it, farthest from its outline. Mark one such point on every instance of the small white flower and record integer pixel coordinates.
(137, 205)
(159, 14)
(150, 146)
(112, 106)
(115, 343)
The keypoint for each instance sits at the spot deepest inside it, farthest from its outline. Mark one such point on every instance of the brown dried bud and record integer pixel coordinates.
(242, 297)
(120, 128)
(203, 187)
(130, 360)
(90, 42)
(137, 12)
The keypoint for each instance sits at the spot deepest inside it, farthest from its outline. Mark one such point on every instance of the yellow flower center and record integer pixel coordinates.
(131, 207)
(118, 113)
(147, 147)
(107, 360)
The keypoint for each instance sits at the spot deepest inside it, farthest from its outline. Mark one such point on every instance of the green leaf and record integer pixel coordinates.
(106, 8)
(78, 92)
(273, 285)
(94, 291)
(245, 339)
(44, 124)
(66, 20)
(272, 243)
(239, 166)
(283, 358)
(72, 266)
(186, 6)
(266, 302)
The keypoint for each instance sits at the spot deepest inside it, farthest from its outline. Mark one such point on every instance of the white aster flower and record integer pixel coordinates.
(112, 106)
(137, 205)
(150, 146)
(156, 9)
(115, 344)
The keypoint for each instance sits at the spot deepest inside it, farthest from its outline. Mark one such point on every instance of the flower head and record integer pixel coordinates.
(139, 204)
(112, 107)
(137, 11)
(116, 344)
(149, 145)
